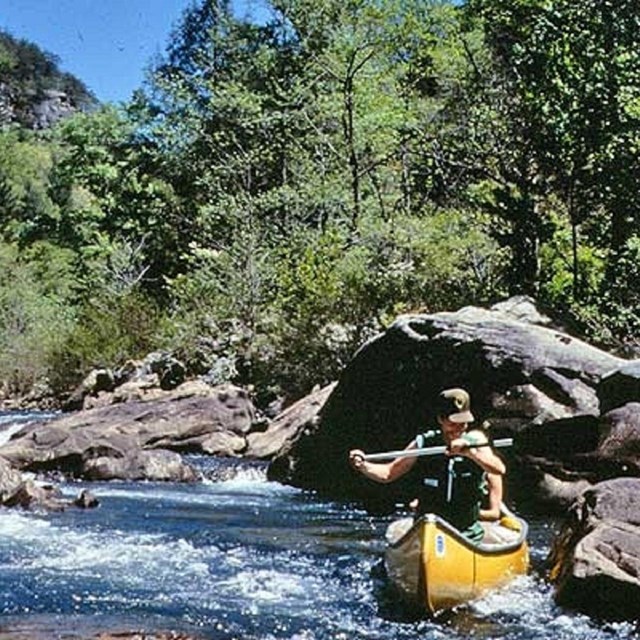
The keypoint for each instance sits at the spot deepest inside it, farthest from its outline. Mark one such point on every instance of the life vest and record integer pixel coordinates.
(452, 487)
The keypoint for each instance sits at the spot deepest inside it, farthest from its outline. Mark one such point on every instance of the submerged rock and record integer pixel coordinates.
(18, 491)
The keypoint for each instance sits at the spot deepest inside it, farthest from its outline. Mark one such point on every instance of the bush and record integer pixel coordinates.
(289, 315)
(108, 332)
(35, 314)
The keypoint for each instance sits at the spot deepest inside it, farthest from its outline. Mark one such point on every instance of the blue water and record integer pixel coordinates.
(239, 558)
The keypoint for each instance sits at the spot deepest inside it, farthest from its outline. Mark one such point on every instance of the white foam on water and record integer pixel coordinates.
(8, 432)
(139, 569)
(9, 418)
(202, 494)
(253, 481)
(12, 423)
(17, 526)
(266, 586)
(290, 585)
(248, 475)
(123, 560)
(528, 602)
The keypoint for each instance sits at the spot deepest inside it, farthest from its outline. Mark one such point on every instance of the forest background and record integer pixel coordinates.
(276, 193)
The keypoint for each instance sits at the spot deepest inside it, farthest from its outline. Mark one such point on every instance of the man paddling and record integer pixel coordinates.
(453, 485)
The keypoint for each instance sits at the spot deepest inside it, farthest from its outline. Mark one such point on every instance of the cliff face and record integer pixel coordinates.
(34, 92)
(35, 112)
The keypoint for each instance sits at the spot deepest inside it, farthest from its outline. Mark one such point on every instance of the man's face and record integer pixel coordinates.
(452, 430)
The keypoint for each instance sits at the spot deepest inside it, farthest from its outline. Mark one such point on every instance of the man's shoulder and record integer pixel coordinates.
(476, 437)
(428, 438)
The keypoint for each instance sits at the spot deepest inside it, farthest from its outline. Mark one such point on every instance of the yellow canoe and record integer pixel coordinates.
(434, 566)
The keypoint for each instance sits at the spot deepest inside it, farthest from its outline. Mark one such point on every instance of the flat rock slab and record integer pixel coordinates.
(190, 419)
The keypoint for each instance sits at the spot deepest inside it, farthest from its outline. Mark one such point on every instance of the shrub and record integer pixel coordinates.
(35, 313)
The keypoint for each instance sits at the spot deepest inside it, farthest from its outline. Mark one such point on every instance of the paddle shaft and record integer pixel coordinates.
(429, 451)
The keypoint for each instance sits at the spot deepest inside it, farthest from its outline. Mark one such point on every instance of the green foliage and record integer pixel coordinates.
(221, 309)
(293, 315)
(573, 68)
(27, 208)
(278, 192)
(557, 270)
(333, 295)
(620, 299)
(110, 330)
(110, 193)
(35, 313)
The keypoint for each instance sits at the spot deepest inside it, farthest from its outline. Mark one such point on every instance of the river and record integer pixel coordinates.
(240, 558)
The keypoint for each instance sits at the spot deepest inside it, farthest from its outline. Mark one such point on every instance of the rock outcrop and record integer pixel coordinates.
(36, 109)
(532, 382)
(125, 440)
(595, 560)
(34, 92)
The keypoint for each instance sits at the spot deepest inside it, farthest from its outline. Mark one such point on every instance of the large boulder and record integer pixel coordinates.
(107, 441)
(520, 376)
(595, 560)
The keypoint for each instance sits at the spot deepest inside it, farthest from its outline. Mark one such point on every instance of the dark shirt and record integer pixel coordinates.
(451, 486)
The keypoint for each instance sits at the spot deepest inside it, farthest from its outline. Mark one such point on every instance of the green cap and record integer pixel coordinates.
(455, 405)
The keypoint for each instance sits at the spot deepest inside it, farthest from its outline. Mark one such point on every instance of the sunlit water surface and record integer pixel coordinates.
(240, 558)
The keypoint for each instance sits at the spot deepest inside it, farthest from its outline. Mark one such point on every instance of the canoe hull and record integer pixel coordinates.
(435, 567)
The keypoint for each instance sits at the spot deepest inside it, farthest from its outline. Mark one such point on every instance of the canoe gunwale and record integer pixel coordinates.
(479, 548)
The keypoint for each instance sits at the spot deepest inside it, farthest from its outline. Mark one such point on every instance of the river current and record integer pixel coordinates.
(238, 557)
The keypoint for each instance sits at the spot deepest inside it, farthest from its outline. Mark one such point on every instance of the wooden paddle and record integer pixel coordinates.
(429, 451)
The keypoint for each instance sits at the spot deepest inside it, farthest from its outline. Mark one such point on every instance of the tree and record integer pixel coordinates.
(36, 313)
(27, 208)
(308, 137)
(574, 68)
(109, 193)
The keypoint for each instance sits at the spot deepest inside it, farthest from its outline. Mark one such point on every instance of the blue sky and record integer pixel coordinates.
(105, 43)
